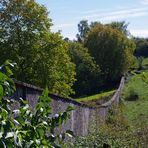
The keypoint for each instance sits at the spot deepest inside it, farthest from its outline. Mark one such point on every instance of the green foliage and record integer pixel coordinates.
(56, 69)
(145, 77)
(107, 137)
(6, 83)
(140, 63)
(145, 62)
(83, 28)
(112, 50)
(121, 26)
(24, 128)
(115, 133)
(87, 70)
(141, 47)
(41, 56)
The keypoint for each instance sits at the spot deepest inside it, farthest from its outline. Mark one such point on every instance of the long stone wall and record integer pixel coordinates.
(83, 117)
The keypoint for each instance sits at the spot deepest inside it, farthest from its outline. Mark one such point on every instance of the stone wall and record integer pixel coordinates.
(83, 117)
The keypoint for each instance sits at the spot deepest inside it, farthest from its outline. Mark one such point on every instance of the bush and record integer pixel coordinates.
(133, 95)
(27, 128)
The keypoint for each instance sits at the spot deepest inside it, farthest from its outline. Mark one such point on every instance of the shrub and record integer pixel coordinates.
(133, 95)
(22, 127)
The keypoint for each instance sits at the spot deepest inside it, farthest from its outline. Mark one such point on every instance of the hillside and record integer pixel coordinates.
(135, 95)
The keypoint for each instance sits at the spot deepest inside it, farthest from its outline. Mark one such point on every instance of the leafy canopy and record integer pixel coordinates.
(87, 70)
(26, 38)
(112, 50)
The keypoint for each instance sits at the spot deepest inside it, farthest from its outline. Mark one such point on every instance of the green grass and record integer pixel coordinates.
(96, 97)
(138, 85)
(145, 61)
(136, 111)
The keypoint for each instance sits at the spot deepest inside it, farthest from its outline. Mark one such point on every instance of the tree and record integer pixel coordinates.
(112, 50)
(57, 71)
(121, 26)
(42, 56)
(141, 47)
(86, 68)
(83, 29)
(93, 24)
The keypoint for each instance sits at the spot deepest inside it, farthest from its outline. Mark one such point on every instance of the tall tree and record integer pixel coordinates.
(25, 37)
(83, 29)
(112, 50)
(23, 23)
(87, 70)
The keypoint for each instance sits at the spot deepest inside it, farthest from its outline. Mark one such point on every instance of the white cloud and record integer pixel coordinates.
(123, 16)
(145, 2)
(139, 32)
(117, 14)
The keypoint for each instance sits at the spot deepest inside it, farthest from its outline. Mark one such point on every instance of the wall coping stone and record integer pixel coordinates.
(53, 96)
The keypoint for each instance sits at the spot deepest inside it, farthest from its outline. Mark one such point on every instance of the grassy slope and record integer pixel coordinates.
(145, 61)
(96, 97)
(137, 111)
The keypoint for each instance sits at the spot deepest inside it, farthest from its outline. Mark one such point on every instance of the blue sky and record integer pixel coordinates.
(66, 14)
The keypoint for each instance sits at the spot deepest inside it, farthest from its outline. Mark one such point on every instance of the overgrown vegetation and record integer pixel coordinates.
(22, 127)
(115, 133)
